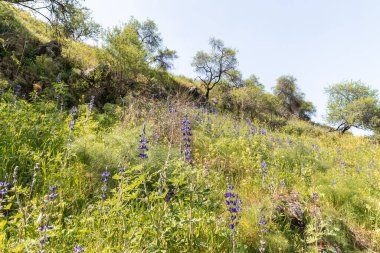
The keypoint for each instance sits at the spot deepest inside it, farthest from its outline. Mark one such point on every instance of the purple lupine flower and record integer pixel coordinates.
(17, 90)
(263, 229)
(78, 249)
(90, 106)
(172, 108)
(156, 137)
(263, 131)
(143, 147)
(73, 113)
(104, 178)
(170, 194)
(233, 204)
(186, 134)
(45, 240)
(263, 168)
(4, 191)
(315, 196)
(53, 193)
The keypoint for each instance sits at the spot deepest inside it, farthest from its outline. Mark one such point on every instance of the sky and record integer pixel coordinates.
(319, 42)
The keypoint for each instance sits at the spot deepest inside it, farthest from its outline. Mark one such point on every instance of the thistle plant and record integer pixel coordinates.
(233, 204)
(262, 230)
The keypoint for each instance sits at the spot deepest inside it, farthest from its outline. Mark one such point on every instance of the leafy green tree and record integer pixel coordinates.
(125, 52)
(148, 34)
(80, 25)
(353, 104)
(253, 81)
(216, 66)
(292, 98)
(67, 15)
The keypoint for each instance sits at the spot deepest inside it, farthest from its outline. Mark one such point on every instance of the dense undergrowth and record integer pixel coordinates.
(316, 190)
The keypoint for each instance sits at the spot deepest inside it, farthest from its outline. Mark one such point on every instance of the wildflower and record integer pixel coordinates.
(282, 183)
(43, 218)
(53, 194)
(263, 168)
(78, 249)
(73, 112)
(263, 229)
(315, 196)
(17, 90)
(156, 137)
(263, 131)
(172, 108)
(90, 106)
(143, 145)
(4, 191)
(170, 194)
(122, 170)
(186, 133)
(104, 178)
(233, 204)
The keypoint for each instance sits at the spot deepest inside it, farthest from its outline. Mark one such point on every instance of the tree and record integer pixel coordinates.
(131, 50)
(156, 53)
(67, 15)
(253, 81)
(353, 104)
(80, 25)
(216, 66)
(292, 98)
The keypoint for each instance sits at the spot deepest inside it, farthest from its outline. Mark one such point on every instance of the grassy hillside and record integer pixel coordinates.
(166, 174)
(316, 190)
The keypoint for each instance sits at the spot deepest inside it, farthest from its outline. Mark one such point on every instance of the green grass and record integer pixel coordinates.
(134, 216)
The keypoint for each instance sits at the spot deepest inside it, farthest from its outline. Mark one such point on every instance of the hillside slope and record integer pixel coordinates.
(166, 174)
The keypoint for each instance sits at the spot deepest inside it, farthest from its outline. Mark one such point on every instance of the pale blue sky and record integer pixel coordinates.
(320, 42)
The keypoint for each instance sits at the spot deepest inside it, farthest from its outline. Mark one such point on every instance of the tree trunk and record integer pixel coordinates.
(207, 93)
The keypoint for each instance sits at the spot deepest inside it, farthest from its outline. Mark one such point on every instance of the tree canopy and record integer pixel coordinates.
(68, 16)
(292, 98)
(353, 104)
(216, 66)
